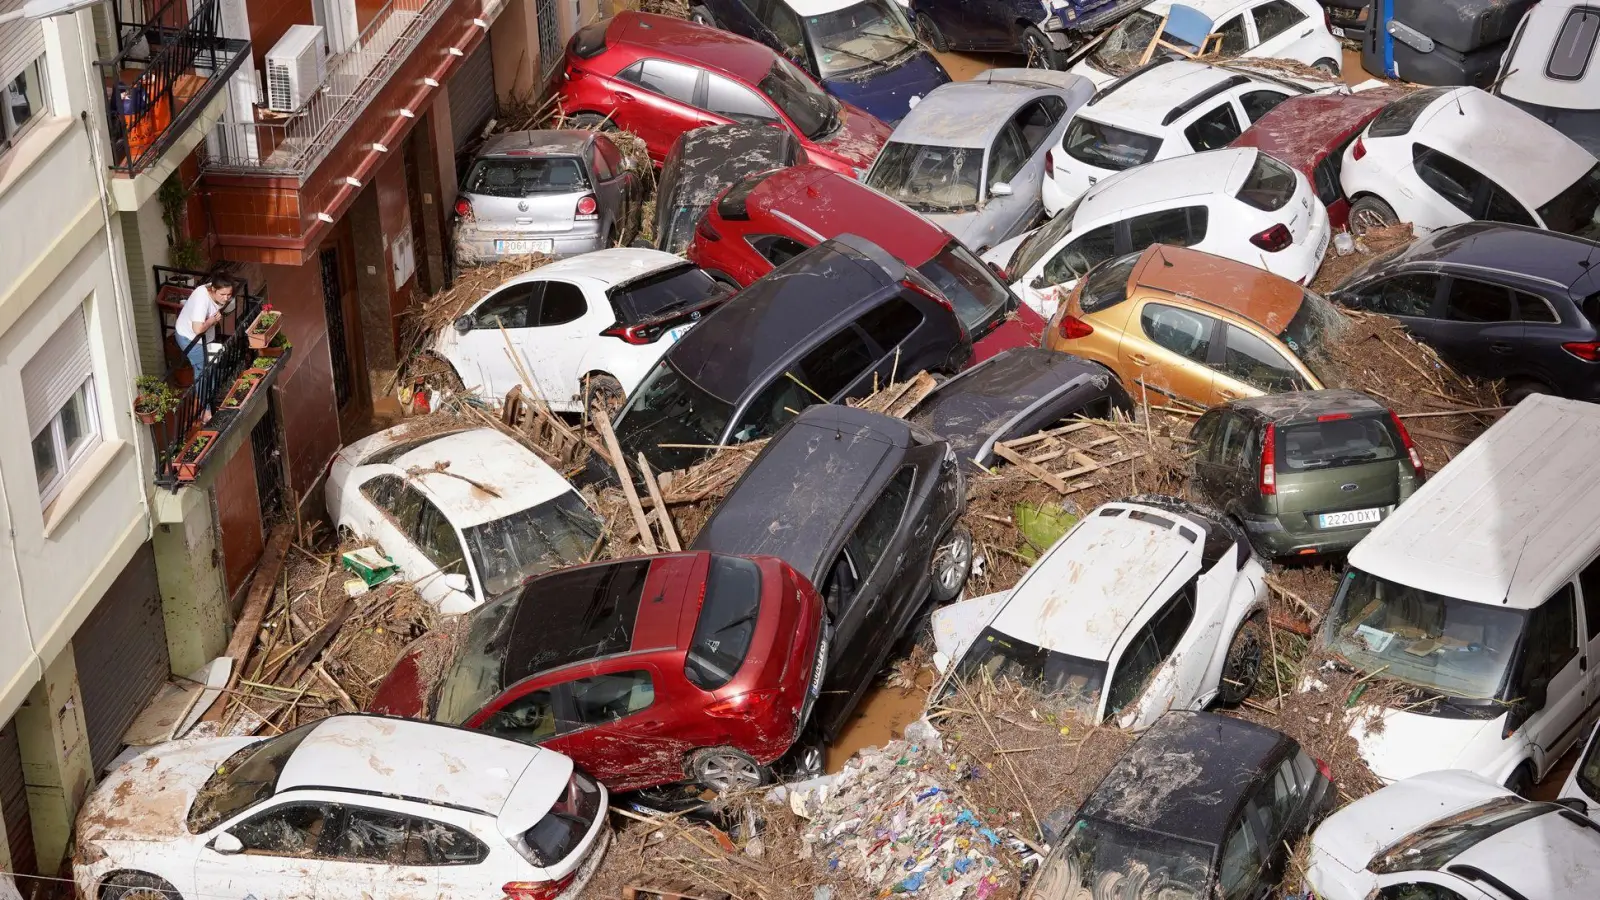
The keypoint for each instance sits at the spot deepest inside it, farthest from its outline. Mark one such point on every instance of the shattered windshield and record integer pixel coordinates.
(668, 408)
(1576, 210)
(1098, 859)
(556, 533)
(478, 673)
(1317, 325)
(1453, 647)
(865, 35)
(927, 178)
(243, 780)
(813, 112)
(1071, 679)
(1043, 239)
(1434, 846)
(1125, 44)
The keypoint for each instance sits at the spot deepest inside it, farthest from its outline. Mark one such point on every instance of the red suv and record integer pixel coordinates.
(769, 218)
(658, 77)
(646, 671)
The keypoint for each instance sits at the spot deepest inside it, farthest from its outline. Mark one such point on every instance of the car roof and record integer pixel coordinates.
(1519, 249)
(1302, 130)
(1088, 588)
(711, 158)
(1293, 406)
(1512, 148)
(603, 268)
(454, 468)
(581, 613)
(433, 763)
(1565, 856)
(1268, 300)
(1508, 520)
(964, 113)
(1186, 775)
(547, 142)
(1148, 95)
(1167, 182)
(827, 203)
(1525, 67)
(810, 482)
(1046, 79)
(708, 48)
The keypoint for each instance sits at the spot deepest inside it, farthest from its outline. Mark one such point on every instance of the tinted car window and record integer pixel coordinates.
(876, 529)
(811, 111)
(1078, 257)
(726, 624)
(967, 283)
(772, 408)
(1475, 301)
(606, 698)
(1534, 309)
(1574, 45)
(1274, 18)
(1398, 117)
(1258, 103)
(776, 248)
(1589, 581)
(1216, 128)
(524, 176)
(530, 718)
(1182, 227)
(1336, 443)
(562, 303)
(1257, 363)
(1184, 333)
(1504, 208)
(1006, 156)
(1552, 639)
(1235, 434)
(891, 322)
(1325, 178)
(382, 490)
(1413, 890)
(1450, 178)
(1107, 284)
(1402, 295)
(1107, 147)
(665, 78)
(514, 307)
(840, 360)
(1241, 859)
(1269, 185)
(597, 162)
(1576, 209)
(668, 408)
(737, 102)
(663, 292)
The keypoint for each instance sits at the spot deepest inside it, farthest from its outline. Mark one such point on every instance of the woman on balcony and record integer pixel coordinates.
(201, 313)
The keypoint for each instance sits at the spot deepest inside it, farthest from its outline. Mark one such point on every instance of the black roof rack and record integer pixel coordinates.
(1227, 84)
(1113, 86)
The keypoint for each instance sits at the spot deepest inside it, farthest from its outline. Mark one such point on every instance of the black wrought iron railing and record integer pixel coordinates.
(168, 68)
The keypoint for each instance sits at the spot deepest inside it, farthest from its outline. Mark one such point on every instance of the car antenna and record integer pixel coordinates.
(1457, 96)
(1510, 582)
(1164, 261)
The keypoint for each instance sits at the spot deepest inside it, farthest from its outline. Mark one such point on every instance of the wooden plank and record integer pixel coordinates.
(662, 516)
(602, 423)
(1041, 435)
(1439, 436)
(1084, 470)
(318, 643)
(248, 627)
(922, 386)
(1021, 462)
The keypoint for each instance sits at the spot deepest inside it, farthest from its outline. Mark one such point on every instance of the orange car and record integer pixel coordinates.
(1199, 328)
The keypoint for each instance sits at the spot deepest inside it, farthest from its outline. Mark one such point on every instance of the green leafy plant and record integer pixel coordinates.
(183, 251)
(199, 444)
(155, 398)
(264, 362)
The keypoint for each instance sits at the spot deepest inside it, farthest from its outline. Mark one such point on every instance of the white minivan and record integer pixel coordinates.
(1482, 593)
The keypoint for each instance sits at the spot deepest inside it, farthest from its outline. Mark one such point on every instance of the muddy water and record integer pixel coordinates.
(881, 717)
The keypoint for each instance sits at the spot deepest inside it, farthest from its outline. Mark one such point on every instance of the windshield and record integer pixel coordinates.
(479, 669)
(1434, 846)
(727, 622)
(1125, 44)
(1106, 285)
(1101, 860)
(1043, 239)
(813, 112)
(1453, 647)
(243, 780)
(679, 287)
(927, 178)
(1074, 680)
(668, 408)
(556, 533)
(969, 285)
(1108, 147)
(1317, 325)
(1576, 210)
(866, 35)
(1334, 442)
(524, 175)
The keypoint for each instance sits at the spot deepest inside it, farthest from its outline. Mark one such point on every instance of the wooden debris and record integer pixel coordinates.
(668, 533)
(248, 628)
(602, 422)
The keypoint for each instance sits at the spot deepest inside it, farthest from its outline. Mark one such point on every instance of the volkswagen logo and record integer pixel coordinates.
(1349, 487)
(522, 206)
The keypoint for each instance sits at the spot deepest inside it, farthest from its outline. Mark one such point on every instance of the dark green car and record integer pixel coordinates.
(1307, 472)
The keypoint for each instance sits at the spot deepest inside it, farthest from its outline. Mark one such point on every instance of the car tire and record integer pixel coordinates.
(928, 32)
(1241, 668)
(1368, 213)
(1036, 47)
(1521, 781)
(1519, 391)
(138, 886)
(702, 16)
(601, 391)
(1328, 66)
(952, 564)
(591, 121)
(722, 769)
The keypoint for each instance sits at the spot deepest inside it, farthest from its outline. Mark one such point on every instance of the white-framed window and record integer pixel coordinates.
(23, 101)
(63, 410)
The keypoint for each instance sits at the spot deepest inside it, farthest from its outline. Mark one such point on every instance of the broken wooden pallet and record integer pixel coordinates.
(1030, 453)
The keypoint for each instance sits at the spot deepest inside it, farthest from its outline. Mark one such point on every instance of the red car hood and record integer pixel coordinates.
(858, 138)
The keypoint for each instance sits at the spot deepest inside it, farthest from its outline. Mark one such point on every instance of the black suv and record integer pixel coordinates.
(839, 320)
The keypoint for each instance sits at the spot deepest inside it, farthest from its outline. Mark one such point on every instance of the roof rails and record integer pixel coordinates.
(1111, 88)
(1227, 84)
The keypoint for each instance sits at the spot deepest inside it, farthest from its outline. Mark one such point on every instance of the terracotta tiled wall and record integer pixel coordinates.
(269, 19)
(239, 517)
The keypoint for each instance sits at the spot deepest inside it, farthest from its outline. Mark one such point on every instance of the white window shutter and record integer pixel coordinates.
(21, 42)
(56, 372)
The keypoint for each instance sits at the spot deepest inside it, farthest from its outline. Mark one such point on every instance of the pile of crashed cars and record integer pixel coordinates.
(1138, 232)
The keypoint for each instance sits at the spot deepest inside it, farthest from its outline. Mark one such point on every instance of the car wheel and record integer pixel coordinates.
(591, 121)
(702, 16)
(1521, 781)
(138, 886)
(1328, 67)
(952, 563)
(928, 32)
(1037, 47)
(1369, 213)
(602, 392)
(1522, 390)
(1242, 668)
(724, 769)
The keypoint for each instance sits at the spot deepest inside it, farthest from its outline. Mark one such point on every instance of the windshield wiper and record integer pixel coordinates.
(866, 59)
(893, 37)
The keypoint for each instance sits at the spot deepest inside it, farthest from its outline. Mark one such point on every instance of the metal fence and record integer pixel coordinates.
(549, 34)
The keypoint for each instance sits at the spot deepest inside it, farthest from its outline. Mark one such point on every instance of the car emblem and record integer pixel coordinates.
(522, 206)
(694, 316)
(1349, 487)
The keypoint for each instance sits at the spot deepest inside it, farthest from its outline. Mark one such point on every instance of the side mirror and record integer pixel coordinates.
(226, 844)
(999, 272)
(1538, 694)
(1000, 189)
(463, 324)
(458, 583)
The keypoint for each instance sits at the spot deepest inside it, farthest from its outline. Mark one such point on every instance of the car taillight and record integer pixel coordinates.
(1359, 150)
(635, 334)
(1411, 449)
(1050, 164)
(588, 207)
(743, 705)
(1323, 768)
(706, 230)
(935, 296)
(536, 890)
(463, 207)
(1269, 459)
(1333, 417)
(1072, 328)
(1273, 239)
(1327, 20)
(1588, 351)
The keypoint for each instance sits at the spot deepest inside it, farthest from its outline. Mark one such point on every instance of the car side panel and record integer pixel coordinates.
(1247, 595)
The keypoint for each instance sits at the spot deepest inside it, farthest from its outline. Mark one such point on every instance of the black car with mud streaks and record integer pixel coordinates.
(867, 507)
(707, 161)
(1201, 806)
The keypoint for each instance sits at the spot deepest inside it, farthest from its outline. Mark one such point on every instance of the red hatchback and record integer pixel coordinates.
(646, 671)
(658, 77)
(769, 218)
(1310, 132)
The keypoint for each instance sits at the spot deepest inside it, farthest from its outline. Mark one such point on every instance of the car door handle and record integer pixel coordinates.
(411, 879)
(1139, 360)
(1307, 32)
(624, 97)
(1499, 347)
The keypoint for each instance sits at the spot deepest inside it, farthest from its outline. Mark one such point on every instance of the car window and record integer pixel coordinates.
(1234, 39)
(1241, 860)
(1475, 301)
(840, 360)
(1150, 647)
(1552, 639)
(1269, 185)
(530, 718)
(1106, 146)
(1216, 128)
(1006, 155)
(1084, 253)
(597, 162)
(971, 287)
(1036, 120)
(1589, 581)
(1277, 799)
(1504, 208)
(294, 829)
(1450, 178)
(599, 699)
(729, 612)
(737, 102)
(375, 836)
(1274, 18)
(1325, 178)
(609, 153)
(1179, 330)
(382, 490)
(776, 248)
(1531, 308)
(562, 303)
(436, 537)
(1205, 429)
(1402, 295)
(526, 176)
(1258, 364)
(1235, 431)
(1573, 47)
(1414, 890)
(514, 307)
(876, 529)
(1182, 227)
(890, 323)
(1258, 103)
(668, 79)
(404, 507)
(786, 25)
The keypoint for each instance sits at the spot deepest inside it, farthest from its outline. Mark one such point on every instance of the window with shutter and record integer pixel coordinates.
(63, 418)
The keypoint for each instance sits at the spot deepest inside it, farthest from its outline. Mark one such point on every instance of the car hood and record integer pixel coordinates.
(887, 93)
(1408, 744)
(955, 626)
(148, 799)
(962, 225)
(1000, 254)
(858, 138)
(1354, 834)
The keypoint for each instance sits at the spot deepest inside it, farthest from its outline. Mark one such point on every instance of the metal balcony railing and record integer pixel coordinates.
(167, 69)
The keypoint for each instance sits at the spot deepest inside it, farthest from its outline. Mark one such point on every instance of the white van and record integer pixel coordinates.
(1482, 592)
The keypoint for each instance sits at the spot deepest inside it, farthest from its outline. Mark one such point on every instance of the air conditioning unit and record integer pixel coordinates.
(295, 67)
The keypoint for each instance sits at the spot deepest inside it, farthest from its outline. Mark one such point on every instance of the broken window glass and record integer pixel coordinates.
(291, 830)
(554, 534)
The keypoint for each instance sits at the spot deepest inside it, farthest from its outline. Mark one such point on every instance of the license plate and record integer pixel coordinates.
(533, 246)
(1353, 517)
(821, 667)
(1337, 31)
(674, 333)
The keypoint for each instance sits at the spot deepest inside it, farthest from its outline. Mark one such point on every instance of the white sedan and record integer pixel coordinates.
(585, 327)
(466, 515)
(350, 806)
(1146, 605)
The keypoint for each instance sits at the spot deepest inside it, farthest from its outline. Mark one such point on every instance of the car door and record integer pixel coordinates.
(1589, 589)
(375, 854)
(1457, 190)
(1242, 859)
(1007, 208)
(553, 345)
(478, 348)
(398, 512)
(444, 570)
(1177, 670)
(1037, 124)
(1206, 434)
(1250, 365)
(1278, 26)
(286, 847)
(1256, 102)
(1214, 126)
(841, 366)
(1054, 278)
(1276, 805)
(1479, 332)
(1411, 298)
(1551, 659)
(660, 104)
(1182, 227)
(610, 190)
(619, 719)
(1235, 474)
(1169, 355)
(1584, 781)
(1542, 336)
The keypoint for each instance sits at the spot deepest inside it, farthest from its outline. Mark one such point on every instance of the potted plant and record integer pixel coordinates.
(278, 347)
(243, 387)
(194, 453)
(264, 362)
(264, 328)
(155, 399)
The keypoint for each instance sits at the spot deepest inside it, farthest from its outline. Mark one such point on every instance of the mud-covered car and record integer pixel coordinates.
(705, 162)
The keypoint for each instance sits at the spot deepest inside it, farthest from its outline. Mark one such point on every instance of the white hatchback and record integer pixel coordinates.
(588, 326)
(466, 515)
(1236, 203)
(351, 806)
(1146, 605)
(1443, 156)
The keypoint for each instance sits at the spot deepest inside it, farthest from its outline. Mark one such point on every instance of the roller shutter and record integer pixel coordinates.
(14, 806)
(472, 95)
(121, 652)
(21, 42)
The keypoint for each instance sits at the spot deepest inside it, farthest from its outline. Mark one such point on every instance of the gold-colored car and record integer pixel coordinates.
(1179, 323)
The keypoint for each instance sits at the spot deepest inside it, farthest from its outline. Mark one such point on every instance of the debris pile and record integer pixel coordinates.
(1376, 243)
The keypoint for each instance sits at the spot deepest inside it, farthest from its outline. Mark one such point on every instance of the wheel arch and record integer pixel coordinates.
(101, 883)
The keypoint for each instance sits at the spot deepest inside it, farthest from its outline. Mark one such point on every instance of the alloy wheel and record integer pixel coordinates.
(727, 771)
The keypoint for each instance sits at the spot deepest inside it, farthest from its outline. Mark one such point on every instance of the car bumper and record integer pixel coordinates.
(1300, 262)
(1272, 539)
(485, 247)
(591, 864)
(1058, 192)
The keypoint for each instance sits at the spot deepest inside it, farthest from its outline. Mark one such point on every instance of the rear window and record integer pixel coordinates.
(659, 294)
(1331, 443)
(732, 204)
(1576, 209)
(521, 176)
(1398, 117)
(1108, 147)
(1107, 284)
(967, 283)
(1591, 309)
(1269, 185)
(727, 622)
(554, 837)
(1574, 45)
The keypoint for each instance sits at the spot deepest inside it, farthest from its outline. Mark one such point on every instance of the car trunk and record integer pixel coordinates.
(1337, 473)
(526, 194)
(533, 214)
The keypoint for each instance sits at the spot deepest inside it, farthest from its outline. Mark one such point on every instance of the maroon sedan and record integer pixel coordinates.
(646, 671)
(769, 218)
(658, 77)
(1310, 132)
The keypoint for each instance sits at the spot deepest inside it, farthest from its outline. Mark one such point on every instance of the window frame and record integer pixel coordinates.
(1255, 21)
(567, 704)
(67, 463)
(533, 297)
(1228, 353)
(538, 319)
(1588, 57)
(1422, 154)
(1227, 106)
(10, 133)
(1210, 339)
(713, 80)
(332, 819)
(637, 76)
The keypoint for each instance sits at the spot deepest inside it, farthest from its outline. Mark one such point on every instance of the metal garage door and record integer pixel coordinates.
(14, 806)
(472, 95)
(121, 652)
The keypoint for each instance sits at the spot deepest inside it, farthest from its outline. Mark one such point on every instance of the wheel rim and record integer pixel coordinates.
(926, 31)
(1367, 219)
(953, 560)
(724, 772)
(145, 893)
(1036, 54)
(1244, 665)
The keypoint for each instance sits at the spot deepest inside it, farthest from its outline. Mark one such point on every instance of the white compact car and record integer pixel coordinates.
(1172, 109)
(1443, 156)
(1145, 605)
(1584, 782)
(355, 806)
(466, 515)
(1276, 29)
(1237, 203)
(587, 327)
(1453, 835)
